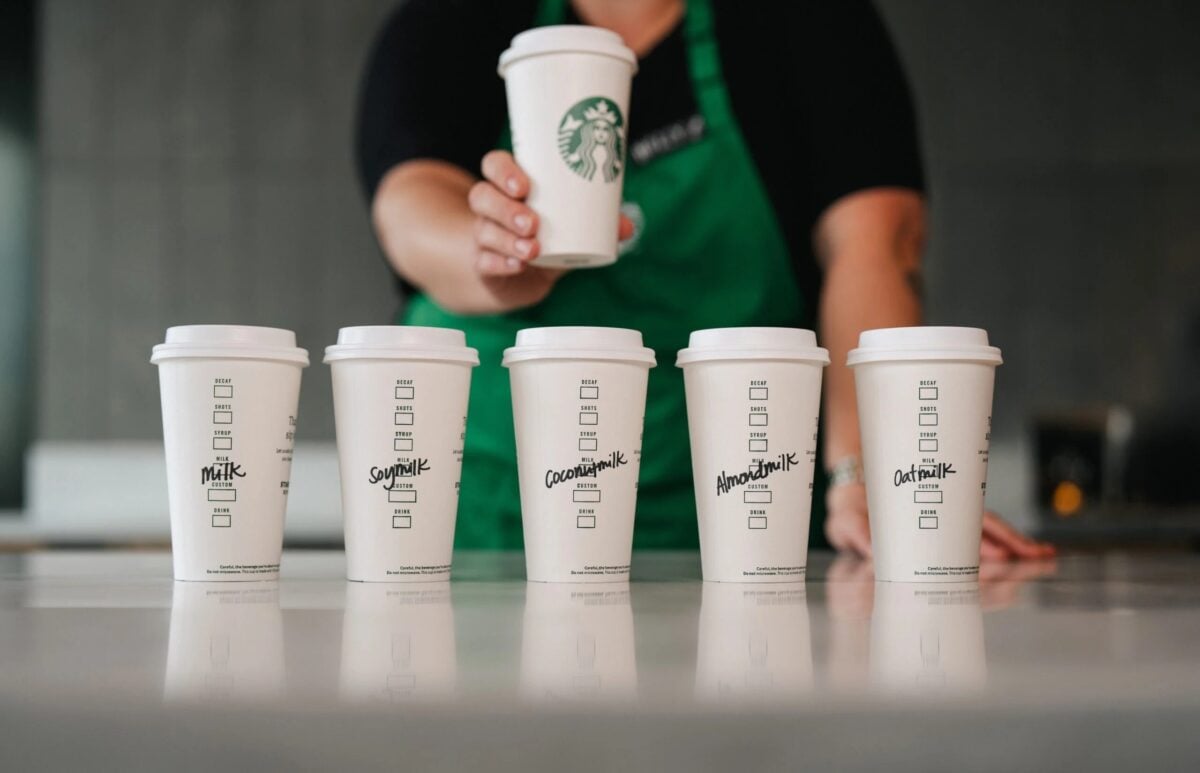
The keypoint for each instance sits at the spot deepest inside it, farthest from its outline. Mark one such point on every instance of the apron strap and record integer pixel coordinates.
(704, 61)
(550, 12)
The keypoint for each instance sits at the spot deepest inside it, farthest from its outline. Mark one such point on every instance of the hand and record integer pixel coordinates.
(506, 234)
(849, 530)
(846, 525)
(1001, 542)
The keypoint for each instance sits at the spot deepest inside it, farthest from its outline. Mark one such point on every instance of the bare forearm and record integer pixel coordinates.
(425, 228)
(871, 250)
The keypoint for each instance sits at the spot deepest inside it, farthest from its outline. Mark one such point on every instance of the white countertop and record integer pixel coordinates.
(103, 659)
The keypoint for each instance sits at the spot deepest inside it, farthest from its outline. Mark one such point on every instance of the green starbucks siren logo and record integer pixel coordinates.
(591, 137)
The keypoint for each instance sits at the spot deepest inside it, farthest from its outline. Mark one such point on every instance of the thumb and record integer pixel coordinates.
(624, 228)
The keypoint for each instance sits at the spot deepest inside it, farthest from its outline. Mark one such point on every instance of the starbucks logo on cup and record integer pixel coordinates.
(591, 139)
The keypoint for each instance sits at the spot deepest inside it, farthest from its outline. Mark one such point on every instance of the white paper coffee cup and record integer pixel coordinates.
(925, 413)
(579, 403)
(398, 644)
(400, 406)
(753, 398)
(754, 644)
(568, 108)
(229, 398)
(577, 644)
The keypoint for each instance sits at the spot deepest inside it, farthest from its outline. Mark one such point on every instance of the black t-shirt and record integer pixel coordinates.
(816, 87)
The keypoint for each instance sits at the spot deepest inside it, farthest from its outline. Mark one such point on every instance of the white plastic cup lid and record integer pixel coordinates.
(230, 342)
(964, 344)
(579, 343)
(401, 342)
(753, 343)
(567, 39)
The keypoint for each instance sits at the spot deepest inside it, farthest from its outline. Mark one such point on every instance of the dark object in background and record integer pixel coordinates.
(1162, 466)
(1080, 457)
(1102, 460)
(18, 202)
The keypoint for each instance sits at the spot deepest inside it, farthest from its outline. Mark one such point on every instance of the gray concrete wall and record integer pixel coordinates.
(197, 168)
(1062, 142)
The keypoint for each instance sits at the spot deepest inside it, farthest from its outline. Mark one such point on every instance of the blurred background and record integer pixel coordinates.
(170, 161)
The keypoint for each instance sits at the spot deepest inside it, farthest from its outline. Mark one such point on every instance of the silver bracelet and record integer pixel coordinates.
(847, 470)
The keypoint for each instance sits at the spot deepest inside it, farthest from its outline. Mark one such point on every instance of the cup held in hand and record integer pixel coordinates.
(568, 106)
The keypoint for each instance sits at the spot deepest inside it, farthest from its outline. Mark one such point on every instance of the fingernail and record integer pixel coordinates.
(523, 222)
(512, 185)
(512, 263)
(524, 246)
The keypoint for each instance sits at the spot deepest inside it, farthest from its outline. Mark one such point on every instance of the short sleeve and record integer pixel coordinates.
(430, 89)
(861, 124)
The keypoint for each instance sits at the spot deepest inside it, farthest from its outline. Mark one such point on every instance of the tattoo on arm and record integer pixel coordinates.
(916, 283)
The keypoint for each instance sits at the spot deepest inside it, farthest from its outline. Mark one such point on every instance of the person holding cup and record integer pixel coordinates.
(735, 213)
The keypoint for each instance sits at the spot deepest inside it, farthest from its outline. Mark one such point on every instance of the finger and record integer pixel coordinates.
(491, 236)
(990, 550)
(1017, 543)
(501, 169)
(624, 228)
(841, 567)
(856, 537)
(486, 200)
(494, 264)
(834, 534)
(860, 542)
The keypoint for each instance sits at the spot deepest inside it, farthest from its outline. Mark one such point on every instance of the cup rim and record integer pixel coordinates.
(518, 354)
(920, 342)
(540, 43)
(163, 352)
(816, 356)
(341, 352)
(983, 355)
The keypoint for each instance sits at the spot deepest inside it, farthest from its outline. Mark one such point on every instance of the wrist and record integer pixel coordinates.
(846, 471)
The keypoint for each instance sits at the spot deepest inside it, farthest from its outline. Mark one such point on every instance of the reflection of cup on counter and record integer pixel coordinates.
(398, 643)
(577, 643)
(753, 395)
(226, 643)
(229, 397)
(579, 402)
(400, 404)
(927, 638)
(925, 412)
(568, 108)
(754, 643)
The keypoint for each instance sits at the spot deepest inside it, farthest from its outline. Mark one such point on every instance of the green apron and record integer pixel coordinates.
(709, 254)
